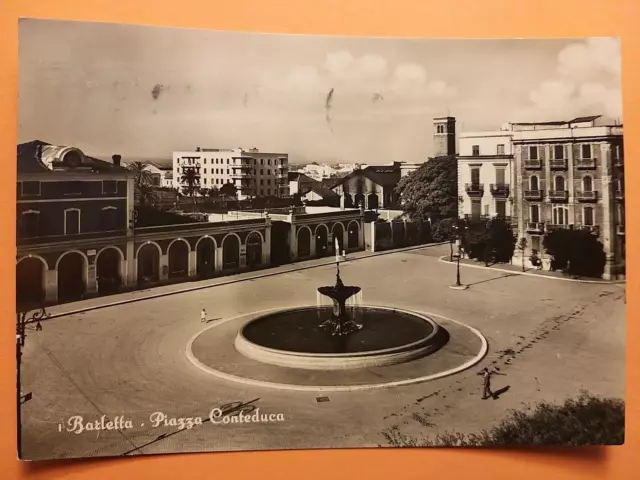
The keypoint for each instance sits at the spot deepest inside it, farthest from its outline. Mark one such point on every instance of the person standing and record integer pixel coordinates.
(203, 316)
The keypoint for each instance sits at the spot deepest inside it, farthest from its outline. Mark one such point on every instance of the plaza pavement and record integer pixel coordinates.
(130, 360)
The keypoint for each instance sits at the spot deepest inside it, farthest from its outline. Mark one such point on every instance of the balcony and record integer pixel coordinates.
(594, 229)
(618, 195)
(558, 226)
(584, 196)
(535, 227)
(500, 190)
(618, 162)
(620, 229)
(533, 195)
(558, 195)
(585, 163)
(474, 189)
(240, 175)
(558, 164)
(533, 164)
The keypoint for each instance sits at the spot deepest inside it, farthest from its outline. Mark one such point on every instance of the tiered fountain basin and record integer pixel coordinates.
(294, 338)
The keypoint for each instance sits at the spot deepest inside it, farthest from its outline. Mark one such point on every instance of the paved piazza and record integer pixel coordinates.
(130, 360)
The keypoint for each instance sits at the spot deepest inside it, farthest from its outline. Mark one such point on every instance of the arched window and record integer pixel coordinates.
(587, 184)
(29, 223)
(440, 128)
(559, 183)
(534, 183)
(109, 220)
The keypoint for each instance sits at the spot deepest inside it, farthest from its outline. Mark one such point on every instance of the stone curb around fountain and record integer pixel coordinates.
(444, 259)
(336, 388)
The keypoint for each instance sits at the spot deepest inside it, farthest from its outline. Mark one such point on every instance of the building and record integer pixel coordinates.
(253, 173)
(161, 175)
(79, 233)
(444, 136)
(373, 187)
(321, 194)
(549, 175)
(299, 183)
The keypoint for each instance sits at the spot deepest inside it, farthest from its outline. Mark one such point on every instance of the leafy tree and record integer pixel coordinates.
(190, 180)
(447, 230)
(522, 246)
(585, 420)
(575, 252)
(432, 190)
(228, 189)
(144, 193)
(489, 240)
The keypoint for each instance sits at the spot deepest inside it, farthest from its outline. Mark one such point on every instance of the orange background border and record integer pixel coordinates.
(393, 18)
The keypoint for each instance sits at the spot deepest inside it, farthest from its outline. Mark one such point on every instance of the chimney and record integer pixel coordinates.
(116, 160)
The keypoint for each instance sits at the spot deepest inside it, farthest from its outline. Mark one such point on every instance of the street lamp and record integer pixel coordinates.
(458, 285)
(22, 320)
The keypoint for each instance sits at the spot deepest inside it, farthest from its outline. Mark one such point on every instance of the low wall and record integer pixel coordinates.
(380, 236)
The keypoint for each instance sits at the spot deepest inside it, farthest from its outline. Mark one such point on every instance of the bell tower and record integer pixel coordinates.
(444, 136)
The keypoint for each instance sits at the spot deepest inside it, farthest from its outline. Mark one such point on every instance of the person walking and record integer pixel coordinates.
(203, 316)
(486, 382)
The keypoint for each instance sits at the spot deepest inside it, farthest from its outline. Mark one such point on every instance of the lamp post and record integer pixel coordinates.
(458, 285)
(22, 320)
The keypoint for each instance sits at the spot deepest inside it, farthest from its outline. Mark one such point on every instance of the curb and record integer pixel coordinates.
(232, 280)
(484, 348)
(443, 259)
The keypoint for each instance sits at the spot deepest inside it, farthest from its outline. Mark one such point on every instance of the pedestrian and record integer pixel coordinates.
(203, 316)
(486, 382)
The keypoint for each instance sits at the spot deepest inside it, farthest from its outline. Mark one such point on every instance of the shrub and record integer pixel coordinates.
(575, 252)
(585, 420)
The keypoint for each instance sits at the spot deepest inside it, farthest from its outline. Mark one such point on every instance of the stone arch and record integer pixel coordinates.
(304, 241)
(109, 269)
(322, 240)
(257, 232)
(253, 244)
(178, 253)
(72, 267)
(205, 249)
(148, 262)
(338, 232)
(353, 235)
(231, 251)
(31, 280)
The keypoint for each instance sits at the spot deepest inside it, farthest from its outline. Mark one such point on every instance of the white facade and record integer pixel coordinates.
(252, 172)
(485, 173)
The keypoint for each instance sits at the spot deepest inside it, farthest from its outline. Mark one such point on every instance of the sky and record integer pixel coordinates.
(144, 92)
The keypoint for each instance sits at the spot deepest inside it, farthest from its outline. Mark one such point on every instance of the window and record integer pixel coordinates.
(109, 220)
(587, 184)
(440, 129)
(269, 161)
(558, 152)
(268, 181)
(261, 171)
(261, 161)
(30, 188)
(533, 152)
(72, 221)
(475, 176)
(268, 172)
(205, 170)
(72, 188)
(29, 224)
(227, 161)
(205, 181)
(500, 149)
(486, 210)
(586, 151)
(534, 184)
(560, 216)
(268, 191)
(587, 216)
(620, 214)
(501, 208)
(534, 213)
(261, 182)
(476, 208)
(475, 150)
(559, 183)
(535, 243)
(500, 176)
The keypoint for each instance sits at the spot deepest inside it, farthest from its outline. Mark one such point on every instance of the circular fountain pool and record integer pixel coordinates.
(295, 338)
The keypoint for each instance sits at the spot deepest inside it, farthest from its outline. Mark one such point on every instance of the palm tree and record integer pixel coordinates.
(190, 180)
(143, 189)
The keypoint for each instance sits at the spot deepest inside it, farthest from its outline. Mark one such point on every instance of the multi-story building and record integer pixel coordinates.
(549, 175)
(253, 173)
(161, 175)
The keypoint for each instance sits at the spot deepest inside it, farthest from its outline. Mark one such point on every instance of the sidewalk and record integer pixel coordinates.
(57, 311)
(517, 270)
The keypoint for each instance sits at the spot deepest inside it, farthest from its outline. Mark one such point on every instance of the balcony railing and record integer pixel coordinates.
(558, 164)
(474, 189)
(586, 196)
(559, 195)
(535, 227)
(620, 229)
(585, 163)
(533, 195)
(558, 226)
(594, 229)
(500, 190)
(240, 174)
(618, 195)
(533, 164)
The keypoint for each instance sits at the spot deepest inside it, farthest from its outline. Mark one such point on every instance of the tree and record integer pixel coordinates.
(144, 192)
(228, 189)
(522, 246)
(575, 252)
(432, 190)
(585, 420)
(489, 240)
(190, 180)
(447, 230)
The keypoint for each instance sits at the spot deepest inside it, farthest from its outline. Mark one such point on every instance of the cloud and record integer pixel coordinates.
(586, 81)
